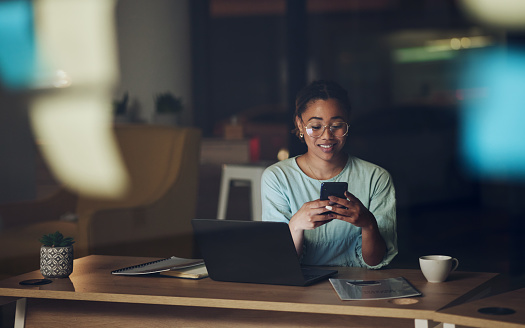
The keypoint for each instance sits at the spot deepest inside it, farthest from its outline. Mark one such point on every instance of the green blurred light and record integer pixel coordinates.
(422, 54)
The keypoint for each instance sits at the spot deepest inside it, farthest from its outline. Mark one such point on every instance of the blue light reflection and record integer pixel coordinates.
(493, 134)
(17, 43)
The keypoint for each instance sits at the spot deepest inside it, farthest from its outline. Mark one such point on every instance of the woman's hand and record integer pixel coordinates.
(351, 210)
(310, 216)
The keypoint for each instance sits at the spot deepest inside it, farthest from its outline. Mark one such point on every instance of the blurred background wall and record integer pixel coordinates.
(154, 44)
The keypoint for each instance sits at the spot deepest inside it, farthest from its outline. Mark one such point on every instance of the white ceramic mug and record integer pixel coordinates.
(436, 268)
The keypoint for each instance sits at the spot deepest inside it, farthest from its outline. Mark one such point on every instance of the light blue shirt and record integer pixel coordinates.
(285, 188)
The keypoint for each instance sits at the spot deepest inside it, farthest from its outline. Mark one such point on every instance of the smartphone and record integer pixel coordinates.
(333, 189)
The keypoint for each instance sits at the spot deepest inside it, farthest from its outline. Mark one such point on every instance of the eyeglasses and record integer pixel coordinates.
(338, 129)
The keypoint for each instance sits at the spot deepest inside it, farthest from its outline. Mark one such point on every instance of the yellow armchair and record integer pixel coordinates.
(154, 219)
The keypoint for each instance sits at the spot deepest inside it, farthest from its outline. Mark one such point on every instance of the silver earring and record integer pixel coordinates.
(301, 135)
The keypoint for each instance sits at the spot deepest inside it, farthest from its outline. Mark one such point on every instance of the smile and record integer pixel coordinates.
(327, 146)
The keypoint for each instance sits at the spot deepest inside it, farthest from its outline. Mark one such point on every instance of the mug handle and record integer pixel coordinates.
(455, 265)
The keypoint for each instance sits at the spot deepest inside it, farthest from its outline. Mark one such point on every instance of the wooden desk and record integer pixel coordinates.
(163, 301)
(467, 314)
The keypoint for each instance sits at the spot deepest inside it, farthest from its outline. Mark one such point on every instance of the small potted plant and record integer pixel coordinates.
(167, 108)
(56, 255)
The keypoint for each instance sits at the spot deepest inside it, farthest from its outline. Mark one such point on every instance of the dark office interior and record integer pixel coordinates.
(407, 112)
(403, 63)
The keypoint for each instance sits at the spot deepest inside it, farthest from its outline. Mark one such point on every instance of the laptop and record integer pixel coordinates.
(253, 252)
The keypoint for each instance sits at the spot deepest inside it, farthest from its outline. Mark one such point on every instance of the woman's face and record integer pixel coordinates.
(324, 113)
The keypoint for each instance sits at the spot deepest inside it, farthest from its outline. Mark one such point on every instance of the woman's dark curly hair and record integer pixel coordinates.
(317, 90)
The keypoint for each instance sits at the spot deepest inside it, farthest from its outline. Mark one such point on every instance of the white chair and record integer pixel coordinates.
(246, 173)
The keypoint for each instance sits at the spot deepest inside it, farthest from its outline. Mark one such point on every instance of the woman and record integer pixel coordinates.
(361, 229)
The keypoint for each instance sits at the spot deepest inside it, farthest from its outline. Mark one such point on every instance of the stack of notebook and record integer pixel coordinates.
(172, 266)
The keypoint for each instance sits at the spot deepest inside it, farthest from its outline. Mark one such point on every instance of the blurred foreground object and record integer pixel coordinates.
(63, 55)
(493, 103)
(74, 134)
(17, 44)
(493, 137)
(72, 117)
(507, 14)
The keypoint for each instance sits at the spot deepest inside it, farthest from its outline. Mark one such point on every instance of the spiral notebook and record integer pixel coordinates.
(171, 263)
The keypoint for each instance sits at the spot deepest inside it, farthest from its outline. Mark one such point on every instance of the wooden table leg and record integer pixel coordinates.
(423, 323)
(20, 313)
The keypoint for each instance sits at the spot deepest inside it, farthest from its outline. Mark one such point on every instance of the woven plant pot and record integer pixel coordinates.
(56, 262)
